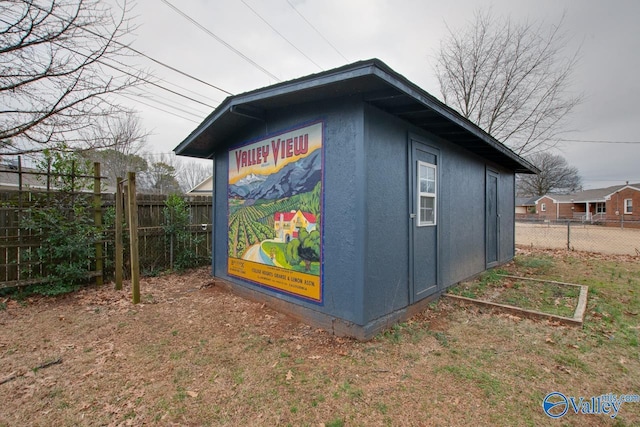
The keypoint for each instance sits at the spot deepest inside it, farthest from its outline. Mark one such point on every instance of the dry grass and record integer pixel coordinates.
(193, 354)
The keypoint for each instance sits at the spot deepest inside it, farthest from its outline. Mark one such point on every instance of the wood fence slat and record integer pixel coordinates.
(18, 244)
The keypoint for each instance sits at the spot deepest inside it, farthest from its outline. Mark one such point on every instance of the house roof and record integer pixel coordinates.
(526, 201)
(372, 80)
(288, 216)
(204, 187)
(593, 195)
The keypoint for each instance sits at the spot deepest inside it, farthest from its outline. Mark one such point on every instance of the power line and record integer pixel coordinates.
(158, 108)
(157, 61)
(151, 82)
(210, 33)
(111, 40)
(316, 30)
(99, 60)
(152, 97)
(278, 33)
(599, 141)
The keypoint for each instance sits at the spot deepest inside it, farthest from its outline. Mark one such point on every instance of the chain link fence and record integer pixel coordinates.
(607, 238)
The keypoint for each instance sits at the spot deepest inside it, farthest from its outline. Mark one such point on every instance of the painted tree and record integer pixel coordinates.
(309, 250)
(511, 79)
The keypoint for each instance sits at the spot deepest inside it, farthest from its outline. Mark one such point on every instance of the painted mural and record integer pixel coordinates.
(275, 212)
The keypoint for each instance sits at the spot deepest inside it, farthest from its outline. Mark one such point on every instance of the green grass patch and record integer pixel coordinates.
(546, 297)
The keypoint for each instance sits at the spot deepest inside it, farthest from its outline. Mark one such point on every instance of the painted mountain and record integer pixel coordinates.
(246, 185)
(294, 178)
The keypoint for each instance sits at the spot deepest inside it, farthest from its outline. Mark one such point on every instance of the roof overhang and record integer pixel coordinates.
(376, 84)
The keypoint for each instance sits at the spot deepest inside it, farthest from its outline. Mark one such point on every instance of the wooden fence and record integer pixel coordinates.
(20, 196)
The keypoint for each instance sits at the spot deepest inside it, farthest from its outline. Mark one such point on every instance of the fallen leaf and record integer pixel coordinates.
(192, 393)
(314, 357)
(289, 376)
(549, 340)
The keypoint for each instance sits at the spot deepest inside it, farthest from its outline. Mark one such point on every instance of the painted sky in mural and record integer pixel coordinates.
(274, 206)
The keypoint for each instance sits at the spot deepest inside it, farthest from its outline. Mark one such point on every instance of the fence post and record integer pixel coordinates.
(568, 235)
(97, 216)
(133, 237)
(118, 232)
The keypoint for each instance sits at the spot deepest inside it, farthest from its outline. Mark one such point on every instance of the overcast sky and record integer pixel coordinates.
(404, 34)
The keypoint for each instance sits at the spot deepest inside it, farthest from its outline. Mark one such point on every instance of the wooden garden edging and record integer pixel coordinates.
(576, 320)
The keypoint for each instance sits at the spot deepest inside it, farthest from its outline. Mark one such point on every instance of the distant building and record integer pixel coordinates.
(610, 206)
(205, 188)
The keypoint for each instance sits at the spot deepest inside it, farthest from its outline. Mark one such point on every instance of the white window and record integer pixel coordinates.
(628, 206)
(601, 208)
(543, 207)
(426, 194)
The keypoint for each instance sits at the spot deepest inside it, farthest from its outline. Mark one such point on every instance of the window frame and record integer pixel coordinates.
(421, 194)
(543, 207)
(628, 206)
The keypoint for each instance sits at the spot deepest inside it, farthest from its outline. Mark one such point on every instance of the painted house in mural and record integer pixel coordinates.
(351, 198)
(287, 225)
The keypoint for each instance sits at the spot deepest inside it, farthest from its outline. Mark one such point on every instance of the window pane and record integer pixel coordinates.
(427, 205)
(431, 187)
(431, 174)
(424, 186)
(424, 170)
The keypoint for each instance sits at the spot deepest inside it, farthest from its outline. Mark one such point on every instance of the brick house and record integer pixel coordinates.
(610, 206)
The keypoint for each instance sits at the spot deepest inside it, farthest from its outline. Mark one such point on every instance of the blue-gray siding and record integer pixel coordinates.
(365, 217)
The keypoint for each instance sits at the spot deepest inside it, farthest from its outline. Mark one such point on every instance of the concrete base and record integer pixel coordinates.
(316, 319)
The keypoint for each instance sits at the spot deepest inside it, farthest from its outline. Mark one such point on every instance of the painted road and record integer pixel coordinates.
(255, 253)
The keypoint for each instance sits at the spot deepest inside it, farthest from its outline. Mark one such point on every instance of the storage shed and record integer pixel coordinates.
(350, 198)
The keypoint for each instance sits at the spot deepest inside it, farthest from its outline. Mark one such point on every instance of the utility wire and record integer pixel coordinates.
(126, 46)
(158, 108)
(210, 33)
(599, 141)
(316, 30)
(157, 61)
(280, 34)
(152, 97)
(155, 84)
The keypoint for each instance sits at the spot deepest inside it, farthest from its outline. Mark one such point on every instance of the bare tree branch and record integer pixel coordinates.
(510, 79)
(53, 80)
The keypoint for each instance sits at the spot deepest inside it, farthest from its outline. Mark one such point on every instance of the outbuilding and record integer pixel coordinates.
(351, 198)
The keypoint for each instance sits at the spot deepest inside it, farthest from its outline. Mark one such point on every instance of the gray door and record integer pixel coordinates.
(492, 218)
(424, 182)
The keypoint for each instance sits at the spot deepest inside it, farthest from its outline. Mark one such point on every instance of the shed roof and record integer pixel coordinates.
(372, 80)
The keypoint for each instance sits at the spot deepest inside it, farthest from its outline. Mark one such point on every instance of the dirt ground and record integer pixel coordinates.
(194, 354)
(589, 238)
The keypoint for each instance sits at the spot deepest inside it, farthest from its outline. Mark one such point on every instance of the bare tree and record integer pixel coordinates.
(161, 174)
(192, 174)
(59, 66)
(556, 176)
(124, 138)
(511, 79)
